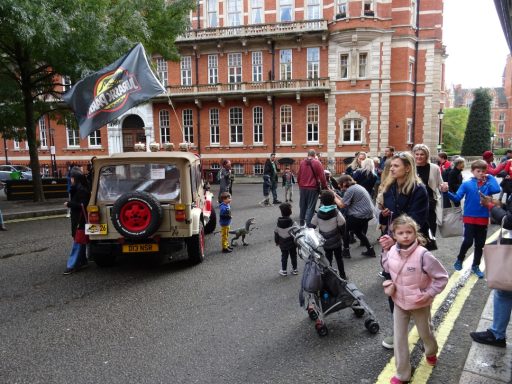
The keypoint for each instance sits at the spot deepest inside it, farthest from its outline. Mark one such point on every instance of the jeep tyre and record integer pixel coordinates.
(195, 246)
(136, 215)
(212, 223)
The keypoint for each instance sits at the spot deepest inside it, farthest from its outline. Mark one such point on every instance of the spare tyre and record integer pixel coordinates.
(136, 215)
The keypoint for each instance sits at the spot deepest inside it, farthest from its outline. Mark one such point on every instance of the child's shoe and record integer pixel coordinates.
(283, 273)
(295, 272)
(457, 265)
(431, 360)
(476, 270)
(396, 380)
(227, 250)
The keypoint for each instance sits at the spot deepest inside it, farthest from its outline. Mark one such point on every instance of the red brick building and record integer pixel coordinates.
(283, 76)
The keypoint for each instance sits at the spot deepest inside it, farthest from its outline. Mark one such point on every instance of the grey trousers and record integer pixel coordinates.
(307, 203)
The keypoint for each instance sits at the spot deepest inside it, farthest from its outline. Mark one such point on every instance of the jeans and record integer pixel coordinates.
(288, 192)
(284, 258)
(77, 256)
(478, 233)
(307, 204)
(501, 317)
(273, 188)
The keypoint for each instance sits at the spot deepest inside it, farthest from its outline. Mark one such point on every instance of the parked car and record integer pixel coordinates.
(149, 203)
(6, 170)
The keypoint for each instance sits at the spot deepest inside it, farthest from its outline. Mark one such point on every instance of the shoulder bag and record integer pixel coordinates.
(498, 263)
(453, 225)
(80, 236)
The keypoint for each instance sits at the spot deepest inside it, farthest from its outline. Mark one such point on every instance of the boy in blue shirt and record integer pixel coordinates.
(225, 221)
(476, 216)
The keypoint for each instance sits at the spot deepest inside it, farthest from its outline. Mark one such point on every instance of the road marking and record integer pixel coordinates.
(35, 218)
(423, 370)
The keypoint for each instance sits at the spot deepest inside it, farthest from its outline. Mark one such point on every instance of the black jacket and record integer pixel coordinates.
(268, 170)
(281, 235)
(80, 196)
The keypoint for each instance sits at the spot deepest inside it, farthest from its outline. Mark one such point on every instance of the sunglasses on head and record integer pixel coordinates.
(400, 155)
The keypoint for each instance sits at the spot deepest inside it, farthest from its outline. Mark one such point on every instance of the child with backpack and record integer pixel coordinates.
(416, 278)
(285, 241)
(288, 181)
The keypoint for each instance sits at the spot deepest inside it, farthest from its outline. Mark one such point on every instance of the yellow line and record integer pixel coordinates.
(35, 218)
(424, 370)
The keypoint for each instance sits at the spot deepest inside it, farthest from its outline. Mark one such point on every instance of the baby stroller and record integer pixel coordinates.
(323, 291)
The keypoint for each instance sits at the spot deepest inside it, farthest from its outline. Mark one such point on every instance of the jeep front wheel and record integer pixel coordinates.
(195, 246)
(212, 223)
(136, 215)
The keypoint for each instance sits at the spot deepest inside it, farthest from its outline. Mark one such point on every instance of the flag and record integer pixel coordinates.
(105, 95)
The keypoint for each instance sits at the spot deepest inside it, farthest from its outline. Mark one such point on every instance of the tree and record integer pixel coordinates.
(477, 137)
(454, 125)
(43, 40)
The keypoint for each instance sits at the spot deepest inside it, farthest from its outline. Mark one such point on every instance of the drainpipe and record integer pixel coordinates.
(415, 89)
(272, 78)
(198, 13)
(198, 110)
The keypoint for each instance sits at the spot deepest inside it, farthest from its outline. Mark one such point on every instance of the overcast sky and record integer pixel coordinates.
(475, 44)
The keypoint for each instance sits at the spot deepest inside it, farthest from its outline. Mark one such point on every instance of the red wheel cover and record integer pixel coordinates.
(135, 216)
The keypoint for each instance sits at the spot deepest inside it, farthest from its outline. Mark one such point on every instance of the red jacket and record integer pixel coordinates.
(311, 172)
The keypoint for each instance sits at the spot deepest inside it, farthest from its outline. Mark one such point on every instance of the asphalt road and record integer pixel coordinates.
(231, 319)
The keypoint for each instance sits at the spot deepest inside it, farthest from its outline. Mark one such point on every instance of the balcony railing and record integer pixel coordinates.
(254, 30)
(274, 86)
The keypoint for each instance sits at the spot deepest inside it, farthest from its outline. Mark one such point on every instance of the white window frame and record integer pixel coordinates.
(414, 5)
(283, 6)
(188, 126)
(285, 124)
(162, 70)
(351, 125)
(238, 169)
(501, 116)
(362, 65)
(186, 70)
(16, 144)
(341, 8)
(257, 9)
(165, 127)
(42, 133)
(411, 69)
(344, 65)
(94, 139)
(313, 66)
(409, 138)
(212, 10)
(501, 128)
(257, 66)
(257, 125)
(66, 83)
(257, 169)
(235, 12)
(72, 134)
(234, 70)
(369, 6)
(313, 9)
(285, 65)
(213, 114)
(313, 124)
(213, 69)
(236, 127)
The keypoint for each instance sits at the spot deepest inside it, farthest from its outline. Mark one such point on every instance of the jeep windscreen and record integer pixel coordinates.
(161, 180)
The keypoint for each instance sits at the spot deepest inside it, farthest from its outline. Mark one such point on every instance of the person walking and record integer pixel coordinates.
(285, 241)
(224, 178)
(80, 195)
(476, 216)
(270, 177)
(359, 211)
(416, 278)
(311, 180)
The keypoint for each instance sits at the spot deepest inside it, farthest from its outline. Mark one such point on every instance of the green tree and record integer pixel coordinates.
(454, 125)
(477, 137)
(42, 39)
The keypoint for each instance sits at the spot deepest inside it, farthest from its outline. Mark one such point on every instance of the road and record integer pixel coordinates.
(231, 319)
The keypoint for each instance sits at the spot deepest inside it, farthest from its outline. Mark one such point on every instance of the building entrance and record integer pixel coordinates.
(133, 132)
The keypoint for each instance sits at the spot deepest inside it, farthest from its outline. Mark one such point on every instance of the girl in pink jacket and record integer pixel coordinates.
(417, 277)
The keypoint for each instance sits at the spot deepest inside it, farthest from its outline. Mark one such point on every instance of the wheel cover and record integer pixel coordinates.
(135, 216)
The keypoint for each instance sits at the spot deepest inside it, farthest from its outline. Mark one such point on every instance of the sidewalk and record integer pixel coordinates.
(484, 364)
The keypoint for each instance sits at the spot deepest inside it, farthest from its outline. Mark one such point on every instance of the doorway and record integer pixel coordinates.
(133, 132)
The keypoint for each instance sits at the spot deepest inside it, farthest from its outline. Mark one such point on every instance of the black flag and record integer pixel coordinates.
(108, 93)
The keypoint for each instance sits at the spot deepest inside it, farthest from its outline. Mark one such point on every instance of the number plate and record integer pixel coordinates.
(95, 229)
(137, 248)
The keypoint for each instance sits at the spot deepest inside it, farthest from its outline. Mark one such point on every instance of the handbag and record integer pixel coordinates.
(498, 263)
(80, 236)
(453, 225)
(389, 287)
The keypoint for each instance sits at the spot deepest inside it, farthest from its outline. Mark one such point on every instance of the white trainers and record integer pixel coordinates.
(283, 273)
(295, 272)
(388, 342)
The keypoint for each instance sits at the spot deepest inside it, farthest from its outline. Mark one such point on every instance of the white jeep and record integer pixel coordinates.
(150, 203)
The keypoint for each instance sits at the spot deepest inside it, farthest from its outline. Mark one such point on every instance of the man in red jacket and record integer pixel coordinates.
(311, 180)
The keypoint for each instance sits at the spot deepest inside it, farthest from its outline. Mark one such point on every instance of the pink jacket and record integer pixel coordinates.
(411, 279)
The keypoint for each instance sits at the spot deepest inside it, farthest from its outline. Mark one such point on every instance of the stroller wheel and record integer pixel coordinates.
(321, 329)
(372, 326)
(313, 315)
(359, 312)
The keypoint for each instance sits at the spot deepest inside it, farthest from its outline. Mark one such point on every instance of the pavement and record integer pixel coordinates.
(484, 364)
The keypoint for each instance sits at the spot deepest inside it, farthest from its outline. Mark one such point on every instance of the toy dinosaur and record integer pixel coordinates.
(242, 232)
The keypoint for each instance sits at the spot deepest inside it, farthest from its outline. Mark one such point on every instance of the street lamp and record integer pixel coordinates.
(493, 137)
(53, 160)
(440, 116)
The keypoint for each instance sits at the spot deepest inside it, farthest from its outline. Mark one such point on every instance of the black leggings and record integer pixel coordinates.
(358, 227)
(339, 260)
(478, 234)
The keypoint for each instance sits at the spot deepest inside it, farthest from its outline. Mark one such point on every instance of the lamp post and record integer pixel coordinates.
(440, 116)
(493, 137)
(52, 153)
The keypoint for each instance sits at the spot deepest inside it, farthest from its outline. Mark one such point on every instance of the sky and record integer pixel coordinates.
(475, 44)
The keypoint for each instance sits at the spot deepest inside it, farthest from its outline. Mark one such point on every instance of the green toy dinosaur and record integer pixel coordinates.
(242, 232)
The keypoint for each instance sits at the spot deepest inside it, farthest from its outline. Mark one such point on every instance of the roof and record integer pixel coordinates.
(150, 155)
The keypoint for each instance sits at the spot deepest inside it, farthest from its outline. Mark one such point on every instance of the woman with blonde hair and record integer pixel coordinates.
(356, 163)
(365, 176)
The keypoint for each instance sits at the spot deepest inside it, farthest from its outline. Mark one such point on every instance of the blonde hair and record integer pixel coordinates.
(409, 221)
(411, 177)
(355, 164)
(424, 148)
(367, 165)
